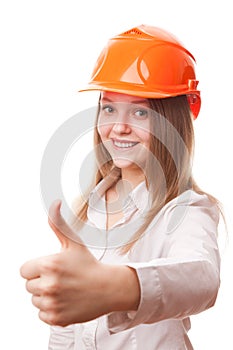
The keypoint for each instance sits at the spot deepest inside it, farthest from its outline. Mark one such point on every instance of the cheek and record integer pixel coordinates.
(104, 131)
(144, 136)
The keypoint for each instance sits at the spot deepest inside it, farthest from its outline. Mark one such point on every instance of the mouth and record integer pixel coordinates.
(124, 144)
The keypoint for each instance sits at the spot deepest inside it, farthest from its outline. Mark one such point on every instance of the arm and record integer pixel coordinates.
(185, 280)
(73, 287)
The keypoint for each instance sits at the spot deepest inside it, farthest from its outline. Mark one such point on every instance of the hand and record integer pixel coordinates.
(72, 286)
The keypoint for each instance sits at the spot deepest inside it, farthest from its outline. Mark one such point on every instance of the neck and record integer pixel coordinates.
(132, 176)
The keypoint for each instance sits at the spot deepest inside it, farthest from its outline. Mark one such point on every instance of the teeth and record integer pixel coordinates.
(124, 144)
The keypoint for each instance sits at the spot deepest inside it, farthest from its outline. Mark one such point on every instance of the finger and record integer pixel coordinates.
(46, 317)
(33, 286)
(30, 269)
(56, 223)
(36, 301)
(42, 303)
(63, 231)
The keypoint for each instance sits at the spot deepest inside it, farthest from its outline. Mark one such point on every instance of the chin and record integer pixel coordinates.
(124, 164)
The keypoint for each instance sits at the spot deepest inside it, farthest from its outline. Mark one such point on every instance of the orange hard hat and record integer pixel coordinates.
(148, 62)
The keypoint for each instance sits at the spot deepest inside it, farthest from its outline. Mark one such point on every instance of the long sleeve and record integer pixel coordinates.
(61, 338)
(184, 279)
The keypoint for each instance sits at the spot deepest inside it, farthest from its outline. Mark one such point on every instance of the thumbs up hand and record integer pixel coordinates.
(72, 286)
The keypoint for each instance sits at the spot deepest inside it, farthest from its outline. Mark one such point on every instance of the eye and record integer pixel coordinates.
(141, 113)
(108, 109)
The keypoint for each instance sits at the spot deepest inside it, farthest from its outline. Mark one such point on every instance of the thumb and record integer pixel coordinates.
(64, 232)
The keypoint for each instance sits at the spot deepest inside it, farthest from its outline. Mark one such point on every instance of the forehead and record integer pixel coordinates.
(117, 97)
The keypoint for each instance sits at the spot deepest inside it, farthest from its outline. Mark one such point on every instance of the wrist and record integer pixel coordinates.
(122, 288)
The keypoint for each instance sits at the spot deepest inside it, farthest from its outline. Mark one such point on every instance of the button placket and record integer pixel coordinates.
(89, 335)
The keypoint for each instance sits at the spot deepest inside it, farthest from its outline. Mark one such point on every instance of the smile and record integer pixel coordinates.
(124, 144)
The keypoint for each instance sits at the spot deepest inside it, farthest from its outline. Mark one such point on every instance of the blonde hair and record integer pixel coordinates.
(169, 168)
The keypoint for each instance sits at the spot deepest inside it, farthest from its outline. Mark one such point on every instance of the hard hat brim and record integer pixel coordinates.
(138, 91)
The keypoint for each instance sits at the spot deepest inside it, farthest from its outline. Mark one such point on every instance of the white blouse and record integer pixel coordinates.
(177, 263)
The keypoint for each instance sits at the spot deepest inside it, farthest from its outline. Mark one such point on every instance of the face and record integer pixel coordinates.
(124, 128)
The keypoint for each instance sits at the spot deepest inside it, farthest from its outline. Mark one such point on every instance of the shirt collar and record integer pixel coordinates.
(99, 191)
(138, 199)
(140, 196)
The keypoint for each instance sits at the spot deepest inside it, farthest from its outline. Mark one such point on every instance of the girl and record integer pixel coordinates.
(153, 257)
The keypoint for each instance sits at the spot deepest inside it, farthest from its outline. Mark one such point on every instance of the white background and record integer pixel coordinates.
(48, 49)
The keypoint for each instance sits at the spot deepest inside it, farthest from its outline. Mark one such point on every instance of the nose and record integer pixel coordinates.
(121, 125)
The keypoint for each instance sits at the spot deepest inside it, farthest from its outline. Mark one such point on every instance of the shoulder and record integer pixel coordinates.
(190, 208)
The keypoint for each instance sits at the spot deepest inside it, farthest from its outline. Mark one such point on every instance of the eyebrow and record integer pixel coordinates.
(106, 99)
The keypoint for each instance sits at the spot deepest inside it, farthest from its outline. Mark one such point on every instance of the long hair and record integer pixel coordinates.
(168, 169)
